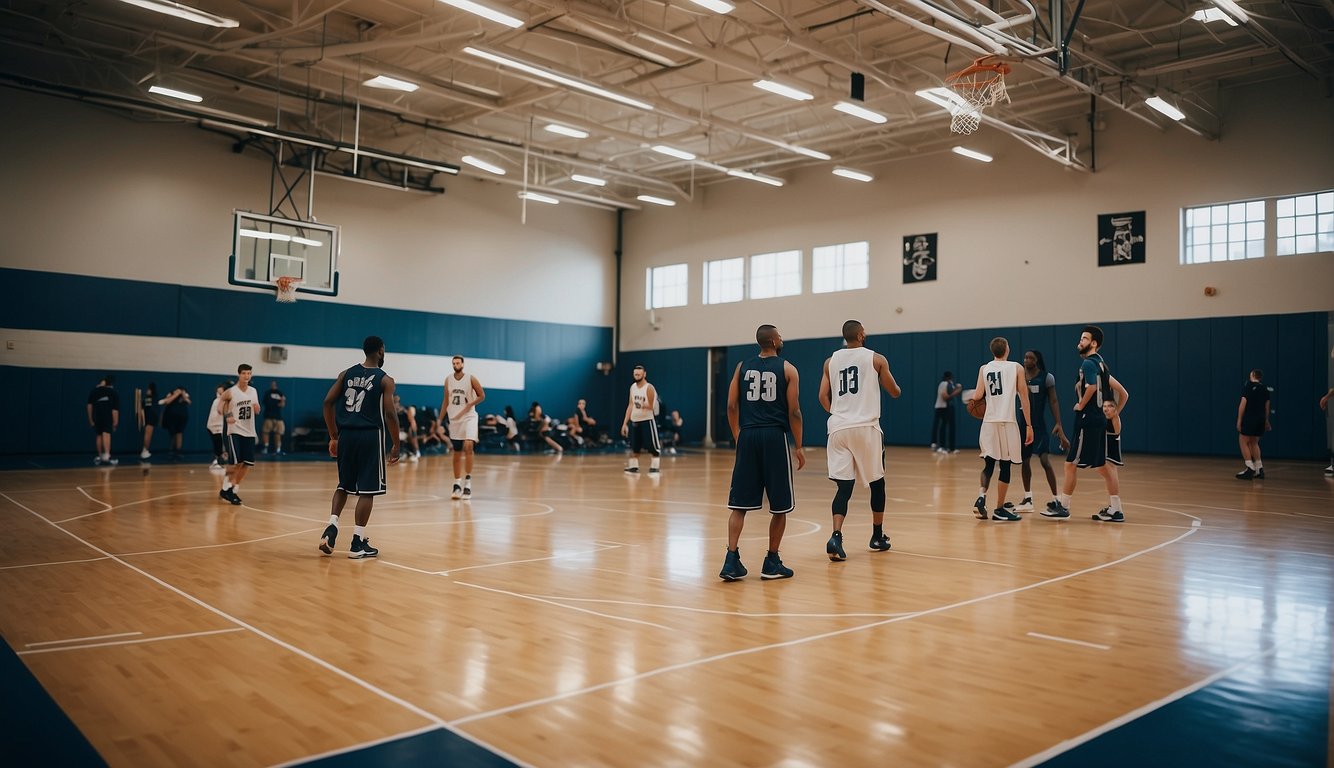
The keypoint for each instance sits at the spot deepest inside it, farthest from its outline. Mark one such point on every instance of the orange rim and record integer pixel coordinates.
(984, 64)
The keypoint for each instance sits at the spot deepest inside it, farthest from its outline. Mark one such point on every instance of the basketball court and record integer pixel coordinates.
(571, 614)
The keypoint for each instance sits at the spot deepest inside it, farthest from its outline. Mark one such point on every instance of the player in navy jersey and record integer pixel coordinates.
(1252, 423)
(1041, 398)
(358, 411)
(104, 417)
(1088, 450)
(762, 408)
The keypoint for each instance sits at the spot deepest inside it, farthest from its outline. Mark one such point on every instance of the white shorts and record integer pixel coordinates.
(464, 428)
(1001, 441)
(857, 452)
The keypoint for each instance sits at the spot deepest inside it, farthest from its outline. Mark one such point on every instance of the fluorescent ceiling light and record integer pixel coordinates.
(175, 94)
(656, 200)
(307, 241)
(565, 130)
(770, 180)
(663, 149)
(1167, 109)
(717, 6)
(280, 237)
(783, 90)
(539, 198)
(849, 173)
(554, 77)
(945, 97)
(390, 83)
(487, 13)
(484, 165)
(593, 180)
(1233, 10)
(818, 155)
(1212, 14)
(185, 12)
(848, 108)
(970, 153)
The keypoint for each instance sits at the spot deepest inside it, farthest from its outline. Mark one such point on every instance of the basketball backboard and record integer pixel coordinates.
(265, 248)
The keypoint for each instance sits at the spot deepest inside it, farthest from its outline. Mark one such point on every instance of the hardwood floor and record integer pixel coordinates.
(571, 614)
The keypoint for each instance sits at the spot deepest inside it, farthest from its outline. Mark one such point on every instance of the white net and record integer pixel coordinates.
(286, 291)
(978, 90)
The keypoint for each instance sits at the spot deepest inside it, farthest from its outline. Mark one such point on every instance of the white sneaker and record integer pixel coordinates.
(467, 493)
(1026, 505)
(1329, 470)
(144, 454)
(412, 457)
(457, 493)
(112, 462)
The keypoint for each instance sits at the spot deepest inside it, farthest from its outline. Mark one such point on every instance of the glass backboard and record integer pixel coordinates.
(265, 248)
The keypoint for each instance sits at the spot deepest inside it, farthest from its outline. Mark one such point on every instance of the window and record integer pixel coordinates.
(775, 274)
(665, 286)
(724, 281)
(1304, 224)
(839, 267)
(1225, 232)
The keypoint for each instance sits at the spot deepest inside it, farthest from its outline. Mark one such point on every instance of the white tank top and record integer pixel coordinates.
(640, 410)
(459, 392)
(244, 404)
(214, 423)
(1000, 379)
(854, 389)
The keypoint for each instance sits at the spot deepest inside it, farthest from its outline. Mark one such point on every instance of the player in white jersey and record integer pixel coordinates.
(1001, 381)
(850, 392)
(639, 425)
(238, 407)
(462, 394)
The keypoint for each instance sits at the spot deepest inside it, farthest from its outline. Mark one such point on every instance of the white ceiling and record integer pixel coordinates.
(297, 68)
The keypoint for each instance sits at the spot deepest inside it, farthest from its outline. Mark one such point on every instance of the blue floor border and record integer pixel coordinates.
(34, 729)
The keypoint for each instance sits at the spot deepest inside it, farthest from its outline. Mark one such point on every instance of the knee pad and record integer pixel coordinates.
(988, 466)
(840, 505)
(878, 495)
(1005, 472)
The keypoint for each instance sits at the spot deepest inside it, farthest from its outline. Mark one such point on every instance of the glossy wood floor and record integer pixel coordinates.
(571, 614)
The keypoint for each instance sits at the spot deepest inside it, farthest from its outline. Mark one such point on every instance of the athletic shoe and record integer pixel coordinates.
(411, 457)
(879, 543)
(1329, 470)
(362, 548)
(653, 470)
(233, 498)
(934, 446)
(112, 462)
(1105, 515)
(215, 465)
(457, 493)
(980, 508)
(774, 568)
(1026, 505)
(1008, 505)
(1260, 474)
(144, 454)
(1245, 474)
(632, 470)
(327, 540)
(834, 548)
(1005, 515)
(1055, 509)
(97, 461)
(467, 493)
(732, 570)
(225, 494)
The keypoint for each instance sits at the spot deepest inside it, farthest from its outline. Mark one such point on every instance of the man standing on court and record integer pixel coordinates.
(104, 417)
(239, 406)
(639, 424)
(1001, 381)
(358, 410)
(762, 408)
(1089, 449)
(462, 394)
(850, 392)
(274, 400)
(942, 425)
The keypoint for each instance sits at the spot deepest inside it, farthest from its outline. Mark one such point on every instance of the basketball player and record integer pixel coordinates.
(462, 394)
(104, 417)
(1000, 381)
(1111, 410)
(358, 410)
(407, 427)
(239, 406)
(149, 415)
(214, 425)
(856, 444)
(1252, 423)
(639, 424)
(942, 424)
(762, 408)
(1041, 396)
(1089, 448)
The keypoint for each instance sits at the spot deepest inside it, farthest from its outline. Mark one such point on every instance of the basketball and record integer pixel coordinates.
(977, 408)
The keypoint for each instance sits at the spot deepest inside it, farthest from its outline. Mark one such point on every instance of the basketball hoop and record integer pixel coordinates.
(287, 290)
(977, 86)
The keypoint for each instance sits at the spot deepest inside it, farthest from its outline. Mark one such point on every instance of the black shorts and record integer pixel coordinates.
(644, 436)
(763, 467)
(103, 424)
(1041, 441)
(241, 450)
(152, 416)
(1253, 427)
(361, 462)
(1088, 450)
(216, 437)
(174, 423)
(1114, 449)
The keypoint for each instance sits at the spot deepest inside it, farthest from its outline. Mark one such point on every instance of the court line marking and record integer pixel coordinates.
(1251, 548)
(110, 508)
(81, 639)
(721, 613)
(535, 598)
(363, 745)
(946, 557)
(1111, 725)
(1041, 636)
(804, 640)
(129, 642)
(366, 685)
(216, 546)
(60, 562)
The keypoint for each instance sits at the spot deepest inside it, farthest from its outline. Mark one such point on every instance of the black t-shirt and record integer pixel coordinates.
(104, 400)
(273, 404)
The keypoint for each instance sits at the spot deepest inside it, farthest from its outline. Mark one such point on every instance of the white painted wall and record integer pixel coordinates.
(1017, 236)
(87, 191)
